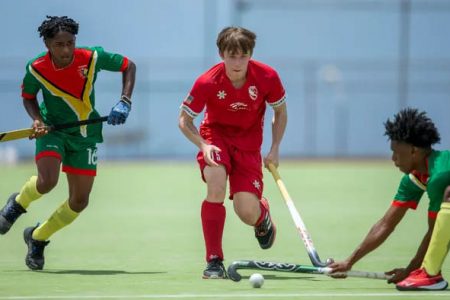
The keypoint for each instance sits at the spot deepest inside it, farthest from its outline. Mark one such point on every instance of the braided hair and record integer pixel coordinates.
(412, 127)
(52, 25)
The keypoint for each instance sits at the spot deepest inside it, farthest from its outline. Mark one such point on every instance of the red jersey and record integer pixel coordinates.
(235, 115)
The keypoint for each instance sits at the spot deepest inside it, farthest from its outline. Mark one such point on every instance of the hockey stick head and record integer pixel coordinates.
(28, 132)
(232, 270)
(295, 268)
(16, 134)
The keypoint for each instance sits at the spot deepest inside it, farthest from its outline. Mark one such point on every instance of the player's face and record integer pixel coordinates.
(61, 48)
(236, 64)
(403, 156)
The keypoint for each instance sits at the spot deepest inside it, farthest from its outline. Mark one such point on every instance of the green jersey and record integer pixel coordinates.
(414, 185)
(68, 93)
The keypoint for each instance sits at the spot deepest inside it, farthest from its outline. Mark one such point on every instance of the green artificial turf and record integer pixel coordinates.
(141, 238)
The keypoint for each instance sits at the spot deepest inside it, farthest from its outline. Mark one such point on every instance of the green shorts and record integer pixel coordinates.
(78, 155)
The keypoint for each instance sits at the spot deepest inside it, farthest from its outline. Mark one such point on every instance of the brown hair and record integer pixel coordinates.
(235, 39)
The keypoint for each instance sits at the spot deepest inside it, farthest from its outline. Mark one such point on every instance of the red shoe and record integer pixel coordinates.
(419, 280)
(266, 231)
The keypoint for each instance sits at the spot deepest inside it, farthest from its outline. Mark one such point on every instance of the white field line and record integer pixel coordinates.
(235, 296)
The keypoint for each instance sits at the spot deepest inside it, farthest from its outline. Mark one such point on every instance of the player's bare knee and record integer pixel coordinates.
(78, 203)
(216, 193)
(215, 198)
(45, 184)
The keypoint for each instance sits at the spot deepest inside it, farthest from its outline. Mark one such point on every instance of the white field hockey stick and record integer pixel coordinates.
(301, 228)
(294, 268)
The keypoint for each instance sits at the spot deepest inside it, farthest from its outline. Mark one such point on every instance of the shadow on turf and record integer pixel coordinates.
(96, 272)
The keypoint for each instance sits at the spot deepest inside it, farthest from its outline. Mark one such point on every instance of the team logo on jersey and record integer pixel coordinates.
(238, 106)
(253, 92)
(221, 95)
(189, 99)
(83, 71)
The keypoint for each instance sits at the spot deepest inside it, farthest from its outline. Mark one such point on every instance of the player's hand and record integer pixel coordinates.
(339, 267)
(40, 129)
(271, 158)
(398, 274)
(210, 154)
(119, 113)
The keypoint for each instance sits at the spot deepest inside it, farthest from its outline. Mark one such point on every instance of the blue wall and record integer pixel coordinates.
(346, 65)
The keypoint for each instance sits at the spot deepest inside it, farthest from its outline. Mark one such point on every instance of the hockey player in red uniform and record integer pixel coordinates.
(234, 94)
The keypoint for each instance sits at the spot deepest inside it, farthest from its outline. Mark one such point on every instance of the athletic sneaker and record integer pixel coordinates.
(266, 231)
(419, 280)
(215, 270)
(9, 213)
(35, 256)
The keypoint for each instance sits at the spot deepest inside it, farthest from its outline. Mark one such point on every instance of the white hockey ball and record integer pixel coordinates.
(256, 280)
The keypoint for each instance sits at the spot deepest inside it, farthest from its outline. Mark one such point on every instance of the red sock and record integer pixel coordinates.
(213, 221)
(262, 215)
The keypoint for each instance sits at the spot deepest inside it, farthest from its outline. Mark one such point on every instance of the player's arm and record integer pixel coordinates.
(32, 108)
(30, 88)
(379, 232)
(186, 125)
(121, 110)
(128, 79)
(279, 123)
(399, 274)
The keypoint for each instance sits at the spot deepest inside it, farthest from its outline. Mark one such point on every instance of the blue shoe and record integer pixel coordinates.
(9, 213)
(35, 256)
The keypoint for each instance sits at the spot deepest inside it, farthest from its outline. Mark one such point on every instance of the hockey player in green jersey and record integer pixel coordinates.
(66, 76)
(412, 135)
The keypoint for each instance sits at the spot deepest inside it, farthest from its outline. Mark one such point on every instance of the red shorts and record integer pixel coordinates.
(244, 168)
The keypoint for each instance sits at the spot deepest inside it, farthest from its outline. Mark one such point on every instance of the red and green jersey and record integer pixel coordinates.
(68, 93)
(413, 185)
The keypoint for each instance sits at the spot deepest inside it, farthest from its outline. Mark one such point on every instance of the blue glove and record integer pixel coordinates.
(119, 113)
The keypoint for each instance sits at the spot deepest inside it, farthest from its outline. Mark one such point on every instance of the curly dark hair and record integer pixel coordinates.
(52, 25)
(413, 127)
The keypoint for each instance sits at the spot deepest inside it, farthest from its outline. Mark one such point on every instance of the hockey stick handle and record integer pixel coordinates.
(294, 268)
(301, 227)
(365, 274)
(78, 123)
